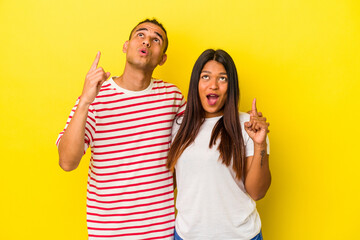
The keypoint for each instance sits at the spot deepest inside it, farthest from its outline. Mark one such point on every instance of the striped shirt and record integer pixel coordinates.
(130, 190)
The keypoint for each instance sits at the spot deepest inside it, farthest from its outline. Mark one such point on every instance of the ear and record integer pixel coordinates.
(163, 60)
(125, 46)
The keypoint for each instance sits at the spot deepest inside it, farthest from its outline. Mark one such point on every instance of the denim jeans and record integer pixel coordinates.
(176, 236)
(257, 237)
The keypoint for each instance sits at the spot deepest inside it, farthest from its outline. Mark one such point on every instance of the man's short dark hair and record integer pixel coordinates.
(157, 23)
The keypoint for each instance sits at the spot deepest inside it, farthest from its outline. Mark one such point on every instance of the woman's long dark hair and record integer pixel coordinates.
(231, 147)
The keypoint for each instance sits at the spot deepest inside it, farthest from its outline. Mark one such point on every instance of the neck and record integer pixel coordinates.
(134, 79)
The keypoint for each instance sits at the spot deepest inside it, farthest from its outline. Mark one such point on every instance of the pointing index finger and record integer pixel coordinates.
(253, 109)
(96, 61)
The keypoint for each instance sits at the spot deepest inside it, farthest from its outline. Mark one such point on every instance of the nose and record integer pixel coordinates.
(213, 84)
(146, 42)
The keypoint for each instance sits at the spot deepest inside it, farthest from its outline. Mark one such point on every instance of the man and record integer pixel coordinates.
(127, 123)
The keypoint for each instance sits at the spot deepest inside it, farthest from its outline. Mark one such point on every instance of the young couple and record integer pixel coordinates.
(220, 156)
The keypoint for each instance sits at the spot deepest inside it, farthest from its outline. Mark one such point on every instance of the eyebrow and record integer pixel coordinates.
(222, 73)
(145, 29)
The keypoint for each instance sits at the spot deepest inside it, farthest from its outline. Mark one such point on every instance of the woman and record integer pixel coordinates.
(220, 156)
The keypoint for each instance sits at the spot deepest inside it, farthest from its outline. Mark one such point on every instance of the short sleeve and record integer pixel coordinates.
(175, 127)
(179, 114)
(89, 127)
(182, 105)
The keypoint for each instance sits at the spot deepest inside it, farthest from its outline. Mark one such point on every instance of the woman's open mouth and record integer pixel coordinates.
(212, 98)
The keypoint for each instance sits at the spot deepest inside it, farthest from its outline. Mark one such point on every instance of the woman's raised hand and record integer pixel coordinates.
(257, 127)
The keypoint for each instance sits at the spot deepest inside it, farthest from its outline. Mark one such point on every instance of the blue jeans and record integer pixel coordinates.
(257, 237)
(176, 236)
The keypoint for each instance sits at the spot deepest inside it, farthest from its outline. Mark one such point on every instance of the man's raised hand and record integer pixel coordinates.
(93, 81)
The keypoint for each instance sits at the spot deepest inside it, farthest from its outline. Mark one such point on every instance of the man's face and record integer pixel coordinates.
(145, 49)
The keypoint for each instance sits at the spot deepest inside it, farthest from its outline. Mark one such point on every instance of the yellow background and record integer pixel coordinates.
(300, 58)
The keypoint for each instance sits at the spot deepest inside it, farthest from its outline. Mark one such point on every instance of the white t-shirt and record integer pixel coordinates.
(211, 202)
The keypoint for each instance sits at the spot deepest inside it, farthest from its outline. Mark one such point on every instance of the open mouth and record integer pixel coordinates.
(143, 52)
(212, 98)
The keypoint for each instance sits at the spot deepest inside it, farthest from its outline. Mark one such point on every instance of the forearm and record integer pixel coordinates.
(71, 146)
(258, 177)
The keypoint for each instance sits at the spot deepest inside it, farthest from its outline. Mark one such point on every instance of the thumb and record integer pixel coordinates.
(107, 75)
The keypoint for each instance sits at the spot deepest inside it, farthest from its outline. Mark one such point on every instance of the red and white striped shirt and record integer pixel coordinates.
(130, 190)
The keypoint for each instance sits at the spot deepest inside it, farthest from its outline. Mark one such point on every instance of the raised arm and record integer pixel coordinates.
(71, 145)
(257, 173)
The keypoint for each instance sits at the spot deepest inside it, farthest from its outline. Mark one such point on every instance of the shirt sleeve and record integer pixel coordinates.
(182, 104)
(175, 127)
(89, 127)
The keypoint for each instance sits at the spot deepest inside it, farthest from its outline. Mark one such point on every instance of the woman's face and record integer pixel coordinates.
(213, 86)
